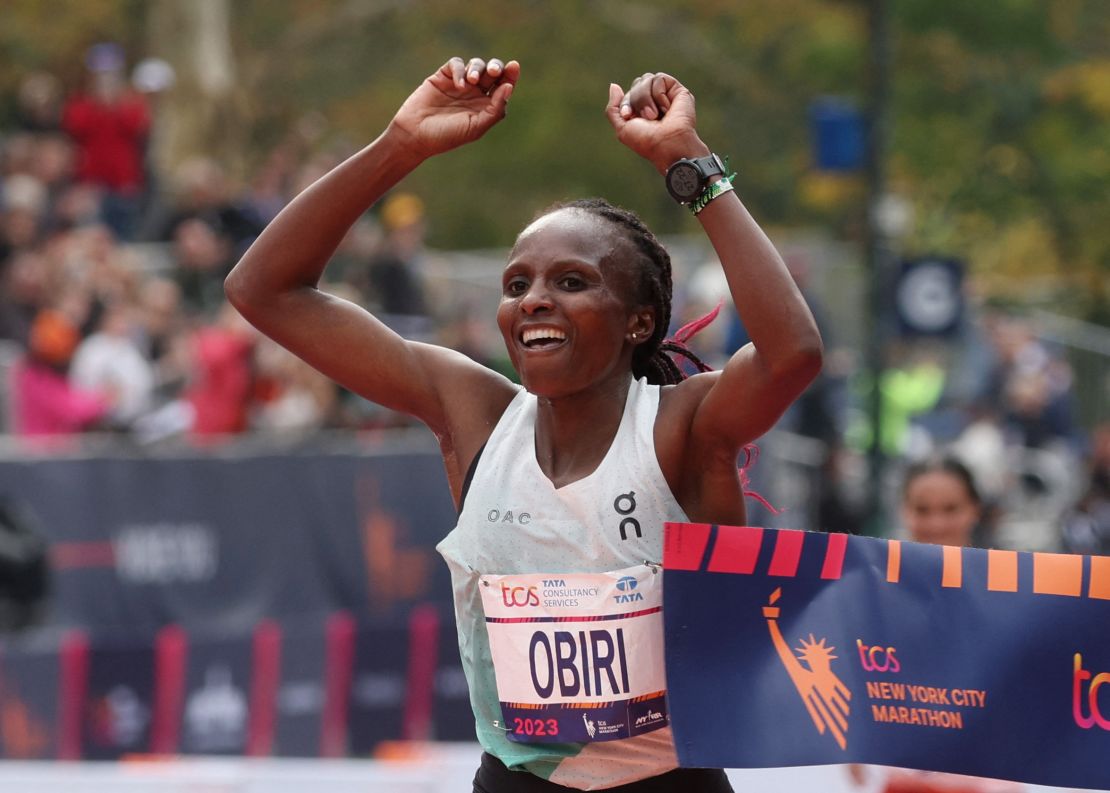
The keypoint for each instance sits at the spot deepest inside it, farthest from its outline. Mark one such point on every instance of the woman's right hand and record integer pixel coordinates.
(455, 105)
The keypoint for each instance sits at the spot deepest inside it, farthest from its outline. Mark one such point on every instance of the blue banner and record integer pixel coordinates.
(787, 648)
(223, 542)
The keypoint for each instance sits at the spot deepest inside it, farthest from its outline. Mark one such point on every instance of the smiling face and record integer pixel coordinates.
(938, 508)
(567, 312)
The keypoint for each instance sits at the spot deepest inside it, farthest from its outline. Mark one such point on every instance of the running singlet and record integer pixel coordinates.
(514, 521)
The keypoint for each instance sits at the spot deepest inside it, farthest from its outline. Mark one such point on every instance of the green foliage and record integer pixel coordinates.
(1000, 111)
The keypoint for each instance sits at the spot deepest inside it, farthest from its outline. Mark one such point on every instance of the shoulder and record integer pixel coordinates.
(473, 399)
(677, 434)
(679, 403)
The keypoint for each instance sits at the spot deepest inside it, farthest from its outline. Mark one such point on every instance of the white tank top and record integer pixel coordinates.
(515, 521)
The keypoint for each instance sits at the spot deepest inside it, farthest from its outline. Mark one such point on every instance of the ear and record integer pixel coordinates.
(641, 325)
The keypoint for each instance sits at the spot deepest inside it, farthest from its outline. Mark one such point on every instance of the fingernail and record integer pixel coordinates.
(474, 74)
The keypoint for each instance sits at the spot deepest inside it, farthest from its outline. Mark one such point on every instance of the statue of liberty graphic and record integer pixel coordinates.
(825, 696)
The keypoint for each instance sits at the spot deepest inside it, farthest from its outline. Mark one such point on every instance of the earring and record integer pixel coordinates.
(633, 335)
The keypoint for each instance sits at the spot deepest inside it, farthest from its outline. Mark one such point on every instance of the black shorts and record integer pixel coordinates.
(494, 777)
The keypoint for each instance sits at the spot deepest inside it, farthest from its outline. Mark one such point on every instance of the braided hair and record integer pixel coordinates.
(652, 359)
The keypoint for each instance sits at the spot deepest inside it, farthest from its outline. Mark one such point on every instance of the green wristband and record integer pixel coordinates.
(718, 188)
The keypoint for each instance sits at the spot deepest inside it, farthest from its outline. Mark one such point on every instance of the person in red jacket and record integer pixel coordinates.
(108, 124)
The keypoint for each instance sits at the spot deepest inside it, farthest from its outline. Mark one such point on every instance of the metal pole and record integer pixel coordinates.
(876, 244)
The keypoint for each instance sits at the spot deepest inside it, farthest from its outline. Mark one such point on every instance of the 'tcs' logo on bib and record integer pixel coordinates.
(519, 596)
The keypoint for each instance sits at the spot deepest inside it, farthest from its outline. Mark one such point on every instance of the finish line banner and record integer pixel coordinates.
(787, 648)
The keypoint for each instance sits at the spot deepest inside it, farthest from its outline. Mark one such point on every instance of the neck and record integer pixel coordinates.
(573, 433)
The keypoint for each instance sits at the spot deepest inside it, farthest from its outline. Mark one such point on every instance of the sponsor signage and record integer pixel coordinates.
(788, 648)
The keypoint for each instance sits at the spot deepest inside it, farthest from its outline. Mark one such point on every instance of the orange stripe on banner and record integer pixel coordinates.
(736, 549)
(893, 561)
(834, 556)
(788, 552)
(1057, 574)
(1002, 571)
(684, 545)
(1100, 578)
(953, 574)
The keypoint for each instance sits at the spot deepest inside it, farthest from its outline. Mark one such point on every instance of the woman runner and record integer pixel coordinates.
(576, 472)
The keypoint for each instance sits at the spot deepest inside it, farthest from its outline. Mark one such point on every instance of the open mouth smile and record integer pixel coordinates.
(544, 338)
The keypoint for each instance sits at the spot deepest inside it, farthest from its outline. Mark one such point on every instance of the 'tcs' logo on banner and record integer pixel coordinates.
(1079, 677)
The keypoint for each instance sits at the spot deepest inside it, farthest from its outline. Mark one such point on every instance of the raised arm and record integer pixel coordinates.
(733, 407)
(275, 285)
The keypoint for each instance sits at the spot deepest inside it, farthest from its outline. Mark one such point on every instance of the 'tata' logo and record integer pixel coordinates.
(626, 585)
(1079, 677)
(877, 659)
(519, 596)
(823, 693)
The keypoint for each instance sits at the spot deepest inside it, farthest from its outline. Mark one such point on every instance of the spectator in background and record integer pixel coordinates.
(54, 168)
(1035, 386)
(39, 103)
(220, 393)
(910, 387)
(202, 194)
(271, 185)
(23, 206)
(394, 278)
(295, 397)
(45, 402)
(940, 502)
(23, 289)
(1086, 529)
(109, 123)
(161, 330)
(202, 257)
(109, 361)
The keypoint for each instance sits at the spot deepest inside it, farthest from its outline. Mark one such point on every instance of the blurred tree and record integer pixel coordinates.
(35, 37)
(1000, 134)
(1003, 141)
(206, 112)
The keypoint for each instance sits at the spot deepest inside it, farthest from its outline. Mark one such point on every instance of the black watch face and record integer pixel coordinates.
(685, 181)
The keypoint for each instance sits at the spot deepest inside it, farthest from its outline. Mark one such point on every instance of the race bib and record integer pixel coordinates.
(578, 657)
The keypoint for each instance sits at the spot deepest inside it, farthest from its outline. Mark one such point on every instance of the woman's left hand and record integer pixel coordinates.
(656, 119)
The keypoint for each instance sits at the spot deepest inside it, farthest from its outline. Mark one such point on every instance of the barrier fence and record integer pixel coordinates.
(302, 688)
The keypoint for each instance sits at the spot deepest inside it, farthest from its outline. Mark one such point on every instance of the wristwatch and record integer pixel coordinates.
(686, 179)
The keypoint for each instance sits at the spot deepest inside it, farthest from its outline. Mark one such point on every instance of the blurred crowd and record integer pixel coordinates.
(993, 396)
(112, 315)
(112, 319)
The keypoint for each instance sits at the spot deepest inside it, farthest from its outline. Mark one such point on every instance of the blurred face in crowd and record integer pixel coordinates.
(938, 508)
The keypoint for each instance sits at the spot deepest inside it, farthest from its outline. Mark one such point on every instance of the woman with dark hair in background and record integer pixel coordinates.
(940, 502)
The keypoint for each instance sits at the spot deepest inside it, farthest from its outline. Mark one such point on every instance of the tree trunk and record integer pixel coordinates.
(204, 114)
